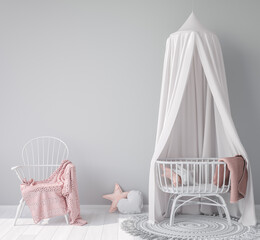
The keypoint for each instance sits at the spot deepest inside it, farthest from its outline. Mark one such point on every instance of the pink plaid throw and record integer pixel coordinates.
(55, 196)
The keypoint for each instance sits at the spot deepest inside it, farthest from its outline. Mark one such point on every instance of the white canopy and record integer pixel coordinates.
(194, 115)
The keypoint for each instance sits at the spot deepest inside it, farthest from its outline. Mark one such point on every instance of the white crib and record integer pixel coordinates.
(192, 178)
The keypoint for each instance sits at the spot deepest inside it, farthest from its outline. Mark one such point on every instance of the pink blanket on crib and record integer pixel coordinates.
(237, 170)
(55, 196)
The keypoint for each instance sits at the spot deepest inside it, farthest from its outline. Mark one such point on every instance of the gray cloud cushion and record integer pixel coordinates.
(133, 203)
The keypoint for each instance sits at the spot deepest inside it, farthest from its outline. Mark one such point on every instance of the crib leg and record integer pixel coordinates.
(224, 206)
(219, 209)
(172, 217)
(220, 212)
(167, 213)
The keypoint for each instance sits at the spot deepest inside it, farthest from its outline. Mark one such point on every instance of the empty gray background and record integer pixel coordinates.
(89, 72)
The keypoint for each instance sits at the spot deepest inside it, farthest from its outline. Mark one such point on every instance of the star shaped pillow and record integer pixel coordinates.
(115, 197)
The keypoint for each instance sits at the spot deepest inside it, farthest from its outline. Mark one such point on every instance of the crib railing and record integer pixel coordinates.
(192, 175)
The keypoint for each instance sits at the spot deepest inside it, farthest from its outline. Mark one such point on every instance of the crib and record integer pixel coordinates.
(189, 180)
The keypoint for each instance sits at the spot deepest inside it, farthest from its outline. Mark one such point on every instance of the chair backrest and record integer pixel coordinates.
(42, 155)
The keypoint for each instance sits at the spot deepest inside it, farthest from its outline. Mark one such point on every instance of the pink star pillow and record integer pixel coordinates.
(115, 197)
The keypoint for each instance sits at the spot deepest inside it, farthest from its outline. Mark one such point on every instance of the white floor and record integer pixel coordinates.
(101, 226)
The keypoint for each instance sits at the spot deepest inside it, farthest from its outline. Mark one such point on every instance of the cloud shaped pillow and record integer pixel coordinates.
(132, 204)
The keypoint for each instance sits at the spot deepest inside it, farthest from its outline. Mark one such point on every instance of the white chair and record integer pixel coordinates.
(41, 157)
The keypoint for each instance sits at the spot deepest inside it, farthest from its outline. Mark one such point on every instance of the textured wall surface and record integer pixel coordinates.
(89, 72)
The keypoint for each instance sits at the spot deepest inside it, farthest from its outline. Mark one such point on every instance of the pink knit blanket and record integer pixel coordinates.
(55, 196)
(237, 171)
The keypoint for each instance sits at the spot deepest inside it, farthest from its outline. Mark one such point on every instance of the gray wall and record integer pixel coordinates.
(89, 72)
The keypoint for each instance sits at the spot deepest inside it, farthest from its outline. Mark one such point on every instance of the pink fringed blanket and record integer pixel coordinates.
(55, 196)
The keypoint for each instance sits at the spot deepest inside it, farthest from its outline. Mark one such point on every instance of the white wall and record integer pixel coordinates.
(89, 72)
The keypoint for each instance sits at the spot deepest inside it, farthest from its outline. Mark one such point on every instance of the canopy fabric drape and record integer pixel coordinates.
(194, 114)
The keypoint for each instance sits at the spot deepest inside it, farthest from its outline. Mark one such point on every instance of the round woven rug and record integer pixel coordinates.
(190, 227)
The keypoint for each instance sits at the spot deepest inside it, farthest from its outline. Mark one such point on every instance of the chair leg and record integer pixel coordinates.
(19, 210)
(66, 218)
(23, 205)
(224, 206)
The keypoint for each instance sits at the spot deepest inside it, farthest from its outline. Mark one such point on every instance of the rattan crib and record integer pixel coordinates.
(194, 179)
